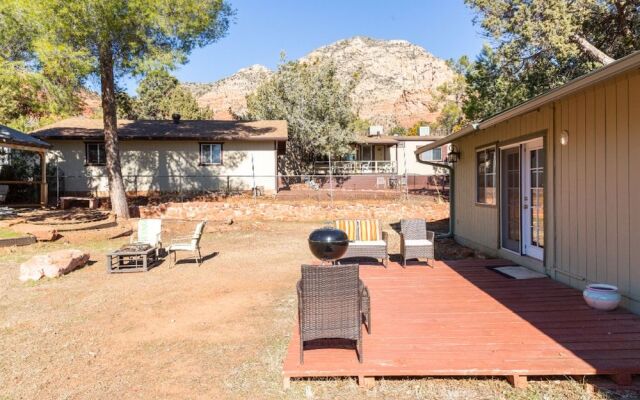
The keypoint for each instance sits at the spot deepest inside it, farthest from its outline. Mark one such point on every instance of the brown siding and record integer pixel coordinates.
(593, 196)
(634, 185)
(479, 223)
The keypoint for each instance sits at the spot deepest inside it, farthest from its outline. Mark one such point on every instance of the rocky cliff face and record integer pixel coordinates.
(228, 96)
(395, 85)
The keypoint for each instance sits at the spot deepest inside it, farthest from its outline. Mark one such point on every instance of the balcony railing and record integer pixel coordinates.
(356, 167)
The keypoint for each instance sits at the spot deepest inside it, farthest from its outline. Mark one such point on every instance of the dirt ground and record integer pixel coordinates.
(218, 331)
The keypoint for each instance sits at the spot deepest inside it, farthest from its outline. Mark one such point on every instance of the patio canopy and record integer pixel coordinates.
(14, 137)
(23, 166)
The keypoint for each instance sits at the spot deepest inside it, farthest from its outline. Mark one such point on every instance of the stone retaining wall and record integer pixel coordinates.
(296, 211)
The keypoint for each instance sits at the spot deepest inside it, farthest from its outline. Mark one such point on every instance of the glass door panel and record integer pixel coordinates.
(533, 202)
(511, 199)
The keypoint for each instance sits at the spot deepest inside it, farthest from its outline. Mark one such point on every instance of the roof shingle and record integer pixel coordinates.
(85, 128)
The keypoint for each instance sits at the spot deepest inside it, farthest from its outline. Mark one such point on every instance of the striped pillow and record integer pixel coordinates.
(369, 229)
(348, 226)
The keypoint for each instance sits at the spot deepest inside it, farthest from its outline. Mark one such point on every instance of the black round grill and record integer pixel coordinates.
(328, 244)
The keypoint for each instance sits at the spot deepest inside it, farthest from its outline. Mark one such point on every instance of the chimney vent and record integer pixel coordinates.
(176, 118)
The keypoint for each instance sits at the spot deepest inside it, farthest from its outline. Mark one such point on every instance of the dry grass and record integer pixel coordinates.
(217, 331)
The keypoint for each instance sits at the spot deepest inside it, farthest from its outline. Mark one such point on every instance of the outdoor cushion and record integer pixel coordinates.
(348, 226)
(368, 243)
(368, 230)
(422, 242)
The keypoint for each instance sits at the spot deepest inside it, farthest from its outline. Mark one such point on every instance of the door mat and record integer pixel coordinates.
(519, 272)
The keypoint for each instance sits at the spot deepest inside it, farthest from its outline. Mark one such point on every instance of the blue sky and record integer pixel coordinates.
(265, 28)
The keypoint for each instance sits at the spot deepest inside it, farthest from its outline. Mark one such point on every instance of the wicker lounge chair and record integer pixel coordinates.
(330, 304)
(188, 243)
(416, 241)
(366, 239)
(149, 232)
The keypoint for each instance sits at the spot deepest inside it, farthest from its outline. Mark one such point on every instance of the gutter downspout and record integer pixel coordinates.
(452, 198)
(451, 194)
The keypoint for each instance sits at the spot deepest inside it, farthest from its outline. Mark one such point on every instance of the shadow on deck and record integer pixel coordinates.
(463, 319)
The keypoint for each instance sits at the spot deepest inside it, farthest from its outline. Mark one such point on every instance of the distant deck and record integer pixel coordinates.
(463, 319)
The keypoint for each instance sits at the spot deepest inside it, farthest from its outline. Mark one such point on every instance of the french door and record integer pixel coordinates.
(522, 198)
(533, 200)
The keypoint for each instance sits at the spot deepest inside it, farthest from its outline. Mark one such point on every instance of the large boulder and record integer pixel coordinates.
(52, 264)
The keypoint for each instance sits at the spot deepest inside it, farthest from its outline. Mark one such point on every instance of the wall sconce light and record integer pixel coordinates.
(454, 154)
(564, 137)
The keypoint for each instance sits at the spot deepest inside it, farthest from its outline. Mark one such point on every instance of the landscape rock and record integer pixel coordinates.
(52, 264)
(45, 234)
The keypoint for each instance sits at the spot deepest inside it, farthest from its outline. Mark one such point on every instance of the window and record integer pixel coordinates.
(95, 154)
(210, 153)
(5, 156)
(432, 155)
(486, 176)
(366, 153)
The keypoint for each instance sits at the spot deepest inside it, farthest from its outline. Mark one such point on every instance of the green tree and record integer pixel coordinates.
(489, 90)
(112, 38)
(360, 126)
(450, 97)
(316, 106)
(180, 101)
(398, 130)
(160, 96)
(127, 105)
(414, 130)
(152, 91)
(536, 45)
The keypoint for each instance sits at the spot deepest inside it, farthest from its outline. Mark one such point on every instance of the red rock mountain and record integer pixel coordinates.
(396, 84)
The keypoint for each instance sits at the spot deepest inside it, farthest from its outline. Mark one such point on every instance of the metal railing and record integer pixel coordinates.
(355, 167)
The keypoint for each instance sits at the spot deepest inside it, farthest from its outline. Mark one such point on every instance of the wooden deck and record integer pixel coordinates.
(463, 319)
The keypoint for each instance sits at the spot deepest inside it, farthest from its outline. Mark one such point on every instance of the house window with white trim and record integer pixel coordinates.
(433, 155)
(95, 153)
(210, 153)
(486, 176)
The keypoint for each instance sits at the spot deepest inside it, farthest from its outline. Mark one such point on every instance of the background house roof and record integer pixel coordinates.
(12, 136)
(87, 129)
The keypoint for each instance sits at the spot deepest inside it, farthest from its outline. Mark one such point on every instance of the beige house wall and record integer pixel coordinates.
(413, 167)
(170, 166)
(592, 200)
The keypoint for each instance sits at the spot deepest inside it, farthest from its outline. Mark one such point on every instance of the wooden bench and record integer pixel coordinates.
(65, 202)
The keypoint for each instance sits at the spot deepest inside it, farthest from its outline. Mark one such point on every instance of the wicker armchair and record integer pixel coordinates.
(416, 241)
(330, 304)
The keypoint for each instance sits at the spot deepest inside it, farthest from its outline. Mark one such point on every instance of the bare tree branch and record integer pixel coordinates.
(591, 50)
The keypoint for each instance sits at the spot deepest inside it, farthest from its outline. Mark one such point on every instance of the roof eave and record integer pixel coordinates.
(617, 67)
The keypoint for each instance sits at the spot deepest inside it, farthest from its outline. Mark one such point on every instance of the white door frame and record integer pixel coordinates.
(528, 248)
(503, 205)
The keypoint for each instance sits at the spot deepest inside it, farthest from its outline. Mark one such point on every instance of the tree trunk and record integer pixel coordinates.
(591, 50)
(109, 115)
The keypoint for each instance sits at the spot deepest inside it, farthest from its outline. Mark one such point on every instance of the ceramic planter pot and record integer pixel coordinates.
(601, 296)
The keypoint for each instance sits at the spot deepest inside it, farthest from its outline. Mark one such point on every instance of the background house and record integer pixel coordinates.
(553, 183)
(384, 154)
(169, 156)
